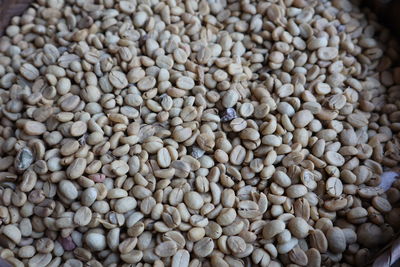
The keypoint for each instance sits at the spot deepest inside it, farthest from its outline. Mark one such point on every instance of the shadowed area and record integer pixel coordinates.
(10, 8)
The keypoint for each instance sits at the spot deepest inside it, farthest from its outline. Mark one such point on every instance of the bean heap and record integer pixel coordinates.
(197, 133)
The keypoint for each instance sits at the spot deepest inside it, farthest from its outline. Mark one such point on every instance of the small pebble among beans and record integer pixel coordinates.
(197, 133)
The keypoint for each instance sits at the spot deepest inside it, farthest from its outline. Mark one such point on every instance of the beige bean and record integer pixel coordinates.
(12, 232)
(78, 128)
(318, 240)
(204, 247)
(29, 72)
(119, 167)
(334, 158)
(76, 168)
(166, 249)
(181, 258)
(125, 204)
(298, 256)
(185, 83)
(95, 241)
(226, 216)
(236, 244)
(34, 128)
(193, 200)
(272, 228)
(68, 189)
(381, 204)
(296, 191)
(327, 53)
(118, 79)
(237, 155)
(163, 158)
(336, 240)
(334, 187)
(298, 227)
(302, 118)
